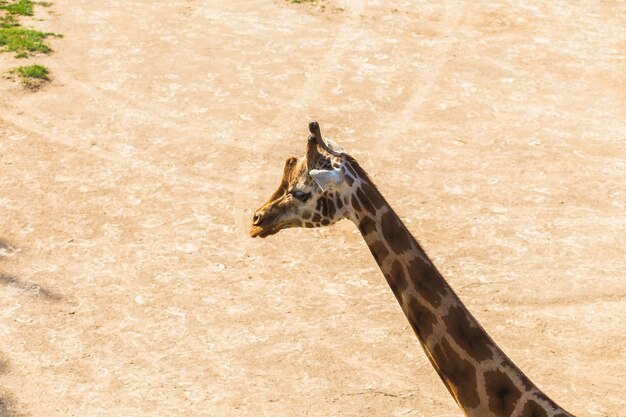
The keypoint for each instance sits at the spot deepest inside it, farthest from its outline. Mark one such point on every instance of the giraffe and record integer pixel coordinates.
(327, 185)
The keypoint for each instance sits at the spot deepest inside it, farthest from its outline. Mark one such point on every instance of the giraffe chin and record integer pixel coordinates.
(256, 231)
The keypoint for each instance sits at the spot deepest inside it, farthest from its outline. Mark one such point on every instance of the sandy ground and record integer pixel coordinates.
(129, 286)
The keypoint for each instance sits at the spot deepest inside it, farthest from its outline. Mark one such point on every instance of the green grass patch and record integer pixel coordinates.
(31, 71)
(31, 76)
(21, 7)
(23, 41)
(8, 21)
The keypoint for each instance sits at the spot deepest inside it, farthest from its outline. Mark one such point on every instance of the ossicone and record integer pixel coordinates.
(314, 128)
(327, 145)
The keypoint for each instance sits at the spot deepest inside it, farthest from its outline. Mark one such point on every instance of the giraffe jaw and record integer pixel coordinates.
(258, 231)
(269, 228)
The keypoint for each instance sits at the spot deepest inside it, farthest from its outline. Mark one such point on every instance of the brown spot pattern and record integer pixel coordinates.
(532, 409)
(528, 385)
(428, 283)
(306, 214)
(317, 217)
(367, 226)
(373, 195)
(331, 208)
(458, 374)
(379, 252)
(339, 202)
(324, 207)
(351, 170)
(365, 202)
(502, 393)
(540, 395)
(355, 203)
(396, 279)
(349, 180)
(422, 320)
(471, 339)
(395, 235)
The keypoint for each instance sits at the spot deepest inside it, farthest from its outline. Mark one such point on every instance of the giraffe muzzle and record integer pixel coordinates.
(260, 225)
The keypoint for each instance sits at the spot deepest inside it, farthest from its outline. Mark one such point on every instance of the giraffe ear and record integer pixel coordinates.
(327, 179)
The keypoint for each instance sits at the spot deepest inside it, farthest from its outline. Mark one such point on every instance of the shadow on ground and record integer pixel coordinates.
(8, 407)
(29, 287)
(8, 250)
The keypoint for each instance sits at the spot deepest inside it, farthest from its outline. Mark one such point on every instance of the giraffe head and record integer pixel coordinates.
(310, 193)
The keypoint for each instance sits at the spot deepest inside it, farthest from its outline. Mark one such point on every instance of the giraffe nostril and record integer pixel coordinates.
(256, 219)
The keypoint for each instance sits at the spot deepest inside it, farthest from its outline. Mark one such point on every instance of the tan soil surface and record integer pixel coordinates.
(129, 285)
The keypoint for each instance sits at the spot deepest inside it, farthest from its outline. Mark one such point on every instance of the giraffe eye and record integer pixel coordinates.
(300, 195)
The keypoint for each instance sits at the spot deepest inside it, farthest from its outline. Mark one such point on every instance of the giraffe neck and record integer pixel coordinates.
(481, 378)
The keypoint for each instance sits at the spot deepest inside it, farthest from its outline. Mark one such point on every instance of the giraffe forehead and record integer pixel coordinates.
(297, 172)
(300, 183)
(296, 176)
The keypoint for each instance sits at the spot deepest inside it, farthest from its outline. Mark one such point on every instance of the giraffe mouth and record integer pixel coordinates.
(258, 231)
(270, 227)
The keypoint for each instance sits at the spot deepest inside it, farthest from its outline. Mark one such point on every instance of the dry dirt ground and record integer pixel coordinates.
(129, 285)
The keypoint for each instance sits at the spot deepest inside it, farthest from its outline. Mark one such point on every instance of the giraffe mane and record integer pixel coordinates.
(360, 171)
